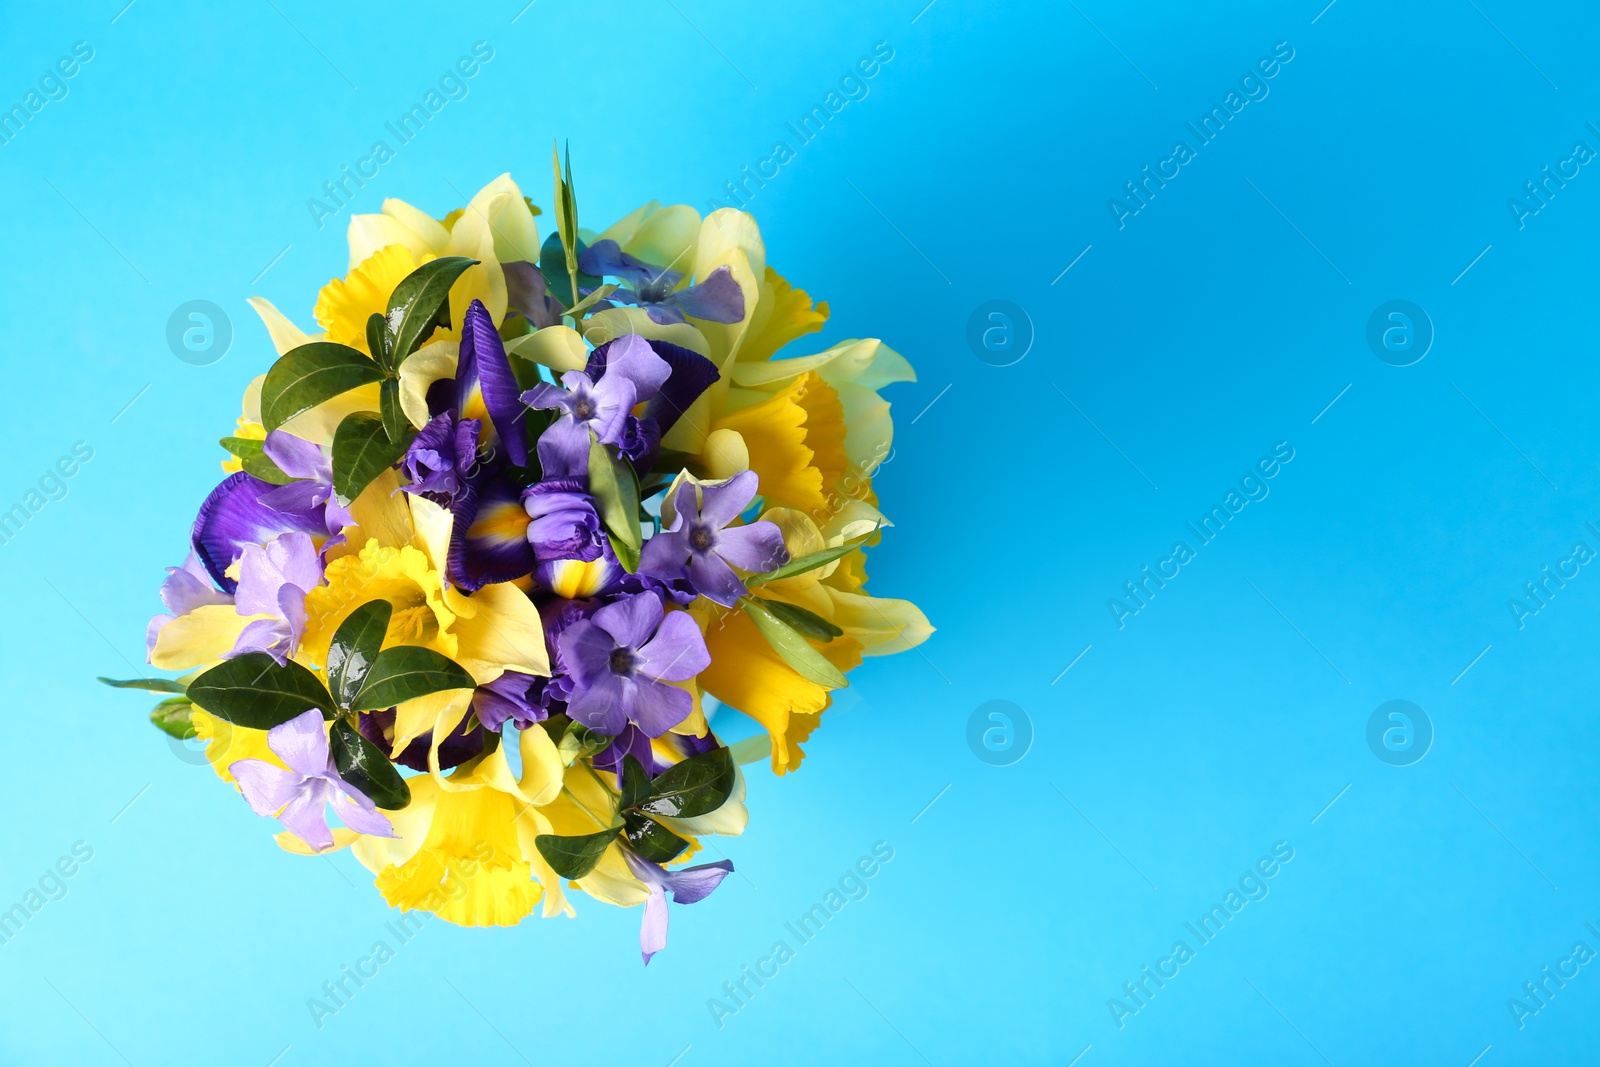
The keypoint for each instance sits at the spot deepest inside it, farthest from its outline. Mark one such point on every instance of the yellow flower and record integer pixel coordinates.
(345, 304)
(783, 314)
(793, 439)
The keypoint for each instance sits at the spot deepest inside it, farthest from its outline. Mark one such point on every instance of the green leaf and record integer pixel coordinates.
(553, 265)
(362, 450)
(172, 718)
(253, 690)
(355, 647)
(787, 642)
(697, 786)
(806, 623)
(810, 561)
(420, 302)
(650, 839)
(635, 784)
(615, 489)
(254, 459)
(155, 685)
(573, 739)
(405, 672)
(306, 376)
(395, 423)
(363, 765)
(596, 295)
(574, 857)
(378, 341)
(566, 215)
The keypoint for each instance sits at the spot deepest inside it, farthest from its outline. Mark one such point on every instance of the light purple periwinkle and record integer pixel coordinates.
(312, 470)
(687, 886)
(186, 587)
(633, 375)
(700, 544)
(717, 298)
(273, 580)
(441, 456)
(564, 522)
(622, 661)
(299, 796)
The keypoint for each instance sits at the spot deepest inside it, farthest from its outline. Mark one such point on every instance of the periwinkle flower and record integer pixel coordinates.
(701, 544)
(622, 661)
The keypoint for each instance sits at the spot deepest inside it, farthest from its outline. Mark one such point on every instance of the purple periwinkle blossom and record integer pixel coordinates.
(312, 471)
(273, 580)
(622, 661)
(701, 544)
(688, 886)
(716, 298)
(633, 375)
(300, 795)
(187, 587)
(564, 524)
(440, 458)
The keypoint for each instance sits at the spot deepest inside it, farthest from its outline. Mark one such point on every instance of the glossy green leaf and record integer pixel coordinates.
(635, 784)
(378, 341)
(806, 623)
(363, 765)
(795, 650)
(362, 450)
(355, 648)
(697, 786)
(172, 718)
(154, 685)
(615, 489)
(306, 376)
(254, 459)
(650, 839)
(574, 857)
(395, 423)
(254, 690)
(420, 302)
(405, 672)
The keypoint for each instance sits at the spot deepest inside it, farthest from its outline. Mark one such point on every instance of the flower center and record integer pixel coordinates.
(583, 410)
(700, 538)
(622, 661)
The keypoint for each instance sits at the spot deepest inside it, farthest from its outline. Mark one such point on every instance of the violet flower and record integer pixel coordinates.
(564, 523)
(634, 374)
(186, 587)
(622, 660)
(300, 795)
(509, 698)
(312, 469)
(717, 298)
(701, 544)
(687, 886)
(441, 456)
(273, 580)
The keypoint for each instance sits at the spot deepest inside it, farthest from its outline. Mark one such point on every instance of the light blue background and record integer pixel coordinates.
(1223, 718)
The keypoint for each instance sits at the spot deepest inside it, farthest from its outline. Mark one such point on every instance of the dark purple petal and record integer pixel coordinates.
(634, 742)
(483, 375)
(630, 620)
(641, 442)
(489, 537)
(564, 523)
(233, 517)
(509, 698)
(757, 548)
(439, 459)
(692, 374)
(717, 299)
(676, 653)
(465, 742)
(607, 259)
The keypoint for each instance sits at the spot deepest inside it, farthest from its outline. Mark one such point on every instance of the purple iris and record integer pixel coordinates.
(716, 299)
(622, 659)
(633, 374)
(238, 513)
(300, 795)
(273, 580)
(564, 523)
(688, 886)
(186, 588)
(701, 544)
(512, 697)
(312, 471)
(441, 457)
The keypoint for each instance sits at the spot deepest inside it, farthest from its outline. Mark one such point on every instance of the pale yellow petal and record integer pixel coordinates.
(432, 362)
(318, 424)
(504, 634)
(285, 334)
(560, 348)
(882, 625)
(202, 636)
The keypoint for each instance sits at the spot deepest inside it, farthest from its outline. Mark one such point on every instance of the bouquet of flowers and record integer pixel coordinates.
(490, 540)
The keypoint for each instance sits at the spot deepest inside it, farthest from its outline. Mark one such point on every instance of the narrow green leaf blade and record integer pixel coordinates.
(795, 650)
(253, 690)
(808, 562)
(650, 839)
(405, 672)
(806, 623)
(171, 717)
(615, 489)
(420, 302)
(378, 340)
(697, 786)
(306, 376)
(254, 459)
(154, 685)
(574, 857)
(362, 450)
(355, 648)
(363, 765)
